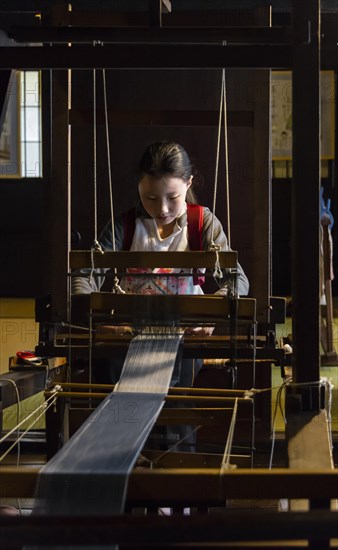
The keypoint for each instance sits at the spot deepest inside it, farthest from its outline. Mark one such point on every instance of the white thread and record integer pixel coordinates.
(25, 419)
(45, 408)
(158, 458)
(87, 452)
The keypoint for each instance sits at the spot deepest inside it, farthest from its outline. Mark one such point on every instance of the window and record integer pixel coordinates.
(20, 140)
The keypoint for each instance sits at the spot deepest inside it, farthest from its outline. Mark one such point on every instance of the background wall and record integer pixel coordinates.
(18, 329)
(144, 106)
(147, 106)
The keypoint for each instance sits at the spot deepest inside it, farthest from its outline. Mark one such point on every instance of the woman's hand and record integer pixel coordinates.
(199, 331)
(116, 330)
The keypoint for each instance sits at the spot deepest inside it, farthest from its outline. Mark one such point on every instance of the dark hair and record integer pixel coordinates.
(167, 158)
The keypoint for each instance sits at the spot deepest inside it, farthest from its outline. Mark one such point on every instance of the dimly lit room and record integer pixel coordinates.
(168, 297)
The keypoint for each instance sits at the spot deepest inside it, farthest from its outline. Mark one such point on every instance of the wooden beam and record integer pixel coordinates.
(203, 305)
(199, 17)
(309, 447)
(260, 285)
(123, 259)
(192, 460)
(199, 485)
(309, 443)
(253, 528)
(151, 56)
(204, 400)
(163, 117)
(59, 196)
(87, 35)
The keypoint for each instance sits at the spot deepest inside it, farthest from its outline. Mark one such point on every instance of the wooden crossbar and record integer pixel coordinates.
(198, 485)
(203, 306)
(121, 260)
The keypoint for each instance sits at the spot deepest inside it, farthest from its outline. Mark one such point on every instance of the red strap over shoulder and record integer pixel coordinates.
(195, 231)
(195, 226)
(195, 234)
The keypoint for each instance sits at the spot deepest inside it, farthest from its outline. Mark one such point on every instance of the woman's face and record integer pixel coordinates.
(163, 198)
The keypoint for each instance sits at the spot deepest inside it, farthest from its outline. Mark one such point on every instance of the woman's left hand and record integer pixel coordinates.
(199, 331)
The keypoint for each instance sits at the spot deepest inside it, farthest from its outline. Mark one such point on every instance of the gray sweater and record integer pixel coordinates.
(82, 283)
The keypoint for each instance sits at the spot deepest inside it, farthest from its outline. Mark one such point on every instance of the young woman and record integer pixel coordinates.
(160, 223)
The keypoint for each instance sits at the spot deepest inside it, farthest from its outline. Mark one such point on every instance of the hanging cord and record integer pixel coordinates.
(69, 239)
(328, 404)
(228, 446)
(217, 163)
(218, 274)
(227, 187)
(278, 405)
(96, 245)
(116, 286)
(108, 159)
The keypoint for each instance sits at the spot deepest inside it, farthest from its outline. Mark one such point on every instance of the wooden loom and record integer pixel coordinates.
(100, 309)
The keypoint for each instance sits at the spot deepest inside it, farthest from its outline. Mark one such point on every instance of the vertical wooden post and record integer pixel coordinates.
(6, 81)
(261, 280)
(59, 195)
(306, 199)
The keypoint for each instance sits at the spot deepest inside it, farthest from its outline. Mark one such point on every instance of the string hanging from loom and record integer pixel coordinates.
(222, 110)
(218, 274)
(116, 286)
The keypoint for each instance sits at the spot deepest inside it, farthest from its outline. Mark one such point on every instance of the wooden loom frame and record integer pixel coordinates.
(303, 55)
